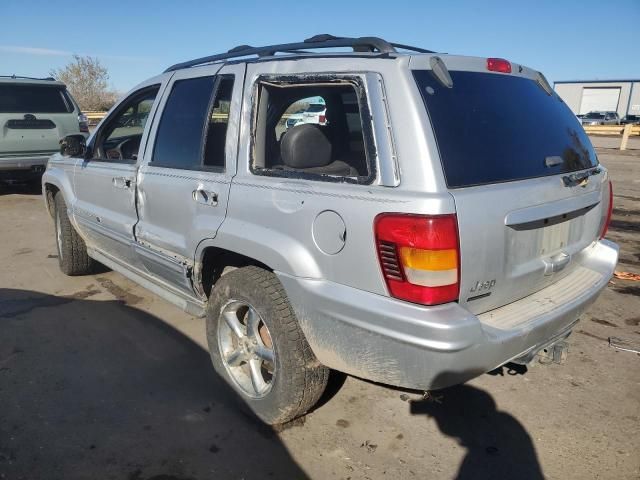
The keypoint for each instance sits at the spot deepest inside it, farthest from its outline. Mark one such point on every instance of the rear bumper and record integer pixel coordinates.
(26, 162)
(23, 168)
(403, 344)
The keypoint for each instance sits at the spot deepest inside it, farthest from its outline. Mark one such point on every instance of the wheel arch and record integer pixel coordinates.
(251, 245)
(55, 181)
(212, 262)
(50, 191)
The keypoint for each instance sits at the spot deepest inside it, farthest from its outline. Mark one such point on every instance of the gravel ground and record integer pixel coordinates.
(613, 142)
(101, 380)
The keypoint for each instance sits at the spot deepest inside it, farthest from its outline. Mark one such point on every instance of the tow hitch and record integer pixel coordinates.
(556, 353)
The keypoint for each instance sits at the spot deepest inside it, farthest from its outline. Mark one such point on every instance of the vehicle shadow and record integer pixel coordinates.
(98, 389)
(498, 446)
(510, 368)
(29, 188)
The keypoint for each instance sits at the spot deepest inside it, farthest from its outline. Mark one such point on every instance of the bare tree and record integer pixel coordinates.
(87, 80)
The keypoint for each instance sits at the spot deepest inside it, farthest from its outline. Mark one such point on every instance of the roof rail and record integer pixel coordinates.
(51, 79)
(360, 44)
(412, 49)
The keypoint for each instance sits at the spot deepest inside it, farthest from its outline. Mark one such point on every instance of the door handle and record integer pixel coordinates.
(556, 263)
(205, 197)
(122, 182)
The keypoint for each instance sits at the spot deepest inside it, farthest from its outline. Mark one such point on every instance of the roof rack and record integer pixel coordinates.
(51, 79)
(360, 44)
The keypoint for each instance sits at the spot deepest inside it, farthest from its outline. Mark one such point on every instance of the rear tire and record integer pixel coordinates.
(72, 251)
(258, 347)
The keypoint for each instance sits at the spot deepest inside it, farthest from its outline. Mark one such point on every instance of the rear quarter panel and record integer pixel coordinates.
(276, 220)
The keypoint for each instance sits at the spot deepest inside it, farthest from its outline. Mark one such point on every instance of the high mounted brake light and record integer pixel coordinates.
(498, 65)
(419, 256)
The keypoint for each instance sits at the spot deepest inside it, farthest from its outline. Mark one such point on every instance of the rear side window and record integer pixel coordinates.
(494, 128)
(33, 99)
(214, 150)
(192, 130)
(179, 137)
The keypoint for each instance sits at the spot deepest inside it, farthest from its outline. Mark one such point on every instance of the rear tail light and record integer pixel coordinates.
(498, 65)
(607, 208)
(322, 118)
(419, 256)
(83, 123)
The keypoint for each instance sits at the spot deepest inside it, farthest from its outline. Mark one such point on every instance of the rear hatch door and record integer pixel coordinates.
(34, 117)
(524, 176)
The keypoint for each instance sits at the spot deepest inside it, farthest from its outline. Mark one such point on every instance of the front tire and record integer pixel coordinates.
(258, 347)
(72, 251)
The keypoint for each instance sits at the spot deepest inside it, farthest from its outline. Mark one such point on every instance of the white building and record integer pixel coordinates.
(622, 96)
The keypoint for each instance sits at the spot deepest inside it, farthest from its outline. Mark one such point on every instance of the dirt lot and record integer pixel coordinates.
(101, 380)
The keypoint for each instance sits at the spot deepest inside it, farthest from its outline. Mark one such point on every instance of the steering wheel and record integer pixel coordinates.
(116, 153)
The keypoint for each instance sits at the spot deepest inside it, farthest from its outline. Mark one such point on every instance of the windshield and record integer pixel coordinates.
(32, 99)
(594, 115)
(497, 128)
(316, 107)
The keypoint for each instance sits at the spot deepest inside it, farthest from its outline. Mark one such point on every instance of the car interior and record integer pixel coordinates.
(120, 140)
(336, 148)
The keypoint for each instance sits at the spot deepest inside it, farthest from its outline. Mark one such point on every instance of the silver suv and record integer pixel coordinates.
(35, 114)
(433, 229)
(601, 118)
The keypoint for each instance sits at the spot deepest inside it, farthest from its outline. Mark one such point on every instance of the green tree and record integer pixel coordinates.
(87, 80)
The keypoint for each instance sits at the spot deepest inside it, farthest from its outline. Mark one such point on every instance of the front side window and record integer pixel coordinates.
(120, 139)
(312, 129)
(192, 130)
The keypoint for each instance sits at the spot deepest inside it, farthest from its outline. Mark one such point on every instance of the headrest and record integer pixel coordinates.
(305, 146)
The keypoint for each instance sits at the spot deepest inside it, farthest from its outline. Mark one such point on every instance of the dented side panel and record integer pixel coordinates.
(105, 214)
(105, 208)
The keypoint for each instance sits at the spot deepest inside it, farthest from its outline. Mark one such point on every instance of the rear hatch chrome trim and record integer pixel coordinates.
(552, 209)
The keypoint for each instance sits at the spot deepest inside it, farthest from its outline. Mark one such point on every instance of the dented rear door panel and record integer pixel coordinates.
(180, 207)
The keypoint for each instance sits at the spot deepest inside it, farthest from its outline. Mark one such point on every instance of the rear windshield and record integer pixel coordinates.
(594, 115)
(33, 99)
(497, 128)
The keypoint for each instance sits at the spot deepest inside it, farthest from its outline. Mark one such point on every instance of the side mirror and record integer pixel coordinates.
(73, 146)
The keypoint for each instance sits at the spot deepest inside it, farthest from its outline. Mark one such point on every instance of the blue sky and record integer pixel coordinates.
(572, 39)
